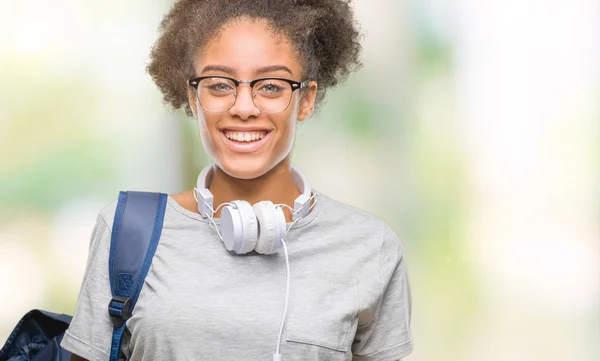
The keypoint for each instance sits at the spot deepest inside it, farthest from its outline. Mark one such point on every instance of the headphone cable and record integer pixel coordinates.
(277, 355)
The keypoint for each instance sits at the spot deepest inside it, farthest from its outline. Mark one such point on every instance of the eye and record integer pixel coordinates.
(272, 87)
(218, 85)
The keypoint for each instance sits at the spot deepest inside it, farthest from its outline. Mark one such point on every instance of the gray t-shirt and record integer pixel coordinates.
(349, 293)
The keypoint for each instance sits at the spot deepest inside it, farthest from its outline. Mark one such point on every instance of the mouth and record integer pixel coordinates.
(245, 141)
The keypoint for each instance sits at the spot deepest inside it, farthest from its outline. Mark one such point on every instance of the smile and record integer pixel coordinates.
(246, 141)
(245, 136)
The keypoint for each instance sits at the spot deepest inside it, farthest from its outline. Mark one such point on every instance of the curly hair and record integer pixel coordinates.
(324, 34)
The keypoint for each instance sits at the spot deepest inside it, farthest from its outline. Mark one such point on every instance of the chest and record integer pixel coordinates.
(223, 306)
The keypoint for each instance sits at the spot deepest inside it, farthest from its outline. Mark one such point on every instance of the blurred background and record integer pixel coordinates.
(473, 130)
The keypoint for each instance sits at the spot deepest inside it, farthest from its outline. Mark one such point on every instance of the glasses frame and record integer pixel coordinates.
(195, 82)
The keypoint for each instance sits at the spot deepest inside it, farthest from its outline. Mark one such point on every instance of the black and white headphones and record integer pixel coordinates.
(258, 227)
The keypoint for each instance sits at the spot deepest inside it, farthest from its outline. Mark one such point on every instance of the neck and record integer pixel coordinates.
(277, 186)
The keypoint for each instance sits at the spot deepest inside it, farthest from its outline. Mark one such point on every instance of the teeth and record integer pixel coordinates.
(245, 136)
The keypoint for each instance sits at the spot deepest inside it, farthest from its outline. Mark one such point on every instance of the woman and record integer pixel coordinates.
(248, 71)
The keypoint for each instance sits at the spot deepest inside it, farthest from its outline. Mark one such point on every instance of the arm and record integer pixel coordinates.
(89, 334)
(387, 335)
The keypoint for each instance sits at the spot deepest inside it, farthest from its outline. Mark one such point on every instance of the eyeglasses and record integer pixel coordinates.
(218, 94)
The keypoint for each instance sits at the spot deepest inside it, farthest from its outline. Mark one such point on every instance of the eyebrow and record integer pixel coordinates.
(221, 68)
(228, 70)
(268, 69)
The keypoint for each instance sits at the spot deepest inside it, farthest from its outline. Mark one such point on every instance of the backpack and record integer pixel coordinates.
(137, 226)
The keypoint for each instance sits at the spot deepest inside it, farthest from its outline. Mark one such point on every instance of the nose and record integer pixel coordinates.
(244, 104)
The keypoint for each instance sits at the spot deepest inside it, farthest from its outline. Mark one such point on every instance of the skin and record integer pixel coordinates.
(248, 49)
(246, 46)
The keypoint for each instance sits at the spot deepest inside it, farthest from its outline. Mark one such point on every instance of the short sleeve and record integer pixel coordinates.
(89, 334)
(387, 337)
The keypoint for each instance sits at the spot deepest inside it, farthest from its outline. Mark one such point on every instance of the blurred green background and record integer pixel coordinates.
(472, 130)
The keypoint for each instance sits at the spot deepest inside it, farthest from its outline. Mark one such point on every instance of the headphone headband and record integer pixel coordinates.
(205, 197)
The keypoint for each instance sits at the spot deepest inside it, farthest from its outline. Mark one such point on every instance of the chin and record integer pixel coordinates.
(244, 168)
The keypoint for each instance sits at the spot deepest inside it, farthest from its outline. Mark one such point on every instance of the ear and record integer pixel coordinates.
(193, 100)
(307, 102)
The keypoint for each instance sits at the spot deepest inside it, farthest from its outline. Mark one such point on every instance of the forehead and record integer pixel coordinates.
(245, 46)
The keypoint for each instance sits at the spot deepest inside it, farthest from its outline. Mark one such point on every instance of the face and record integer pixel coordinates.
(244, 141)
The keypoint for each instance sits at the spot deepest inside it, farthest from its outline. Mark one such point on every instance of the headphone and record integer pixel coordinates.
(258, 227)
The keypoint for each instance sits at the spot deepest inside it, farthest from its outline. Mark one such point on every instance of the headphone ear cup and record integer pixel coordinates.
(249, 229)
(239, 227)
(272, 224)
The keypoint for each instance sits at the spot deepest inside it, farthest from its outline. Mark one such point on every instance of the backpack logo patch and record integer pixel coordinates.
(125, 282)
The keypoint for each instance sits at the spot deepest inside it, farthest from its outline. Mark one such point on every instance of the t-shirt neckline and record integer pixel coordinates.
(197, 216)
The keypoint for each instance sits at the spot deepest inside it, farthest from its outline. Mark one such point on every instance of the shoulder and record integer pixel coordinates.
(106, 215)
(346, 213)
(184, 199)
(354, 221)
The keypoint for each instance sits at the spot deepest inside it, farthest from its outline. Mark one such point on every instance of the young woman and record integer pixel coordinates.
(248, 71)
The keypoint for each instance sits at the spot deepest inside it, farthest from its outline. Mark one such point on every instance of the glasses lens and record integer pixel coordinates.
(272, 95)
(216, 94)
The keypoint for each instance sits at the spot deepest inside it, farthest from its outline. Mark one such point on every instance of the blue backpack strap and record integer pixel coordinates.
(137, 227)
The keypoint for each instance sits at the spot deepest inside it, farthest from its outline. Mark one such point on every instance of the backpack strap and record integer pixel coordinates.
(136, 231)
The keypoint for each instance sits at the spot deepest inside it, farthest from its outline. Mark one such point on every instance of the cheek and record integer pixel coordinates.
(206, 129)
(288, 130)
